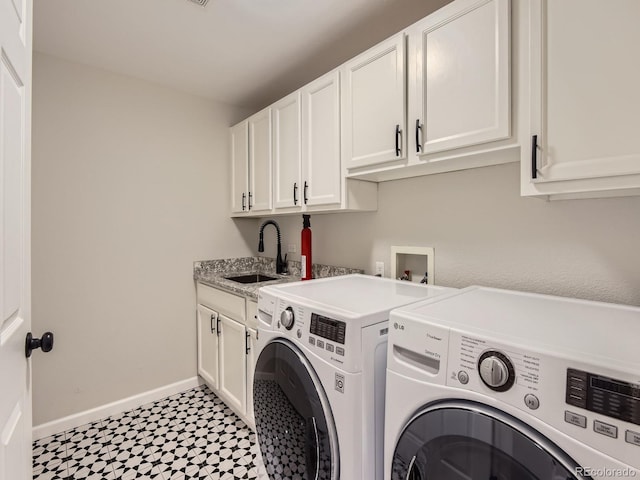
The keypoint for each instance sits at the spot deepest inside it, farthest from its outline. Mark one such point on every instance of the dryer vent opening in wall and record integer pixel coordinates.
(202, 3)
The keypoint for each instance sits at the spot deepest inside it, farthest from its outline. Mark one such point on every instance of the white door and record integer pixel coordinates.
(459, 73)
(585, 92)
(208, 345)
(322, 175)
(15, 245)
(233, 372)
(260, 161)
(252, 344)
(374, 105)
(286, 151)
(239, 139)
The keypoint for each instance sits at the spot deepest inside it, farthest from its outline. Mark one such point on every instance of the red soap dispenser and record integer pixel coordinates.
(305, 248)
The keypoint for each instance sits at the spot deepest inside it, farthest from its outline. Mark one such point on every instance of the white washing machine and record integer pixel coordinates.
(492, 384)
(320, 375)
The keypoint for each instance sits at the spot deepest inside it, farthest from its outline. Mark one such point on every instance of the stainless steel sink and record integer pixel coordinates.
(251, 278)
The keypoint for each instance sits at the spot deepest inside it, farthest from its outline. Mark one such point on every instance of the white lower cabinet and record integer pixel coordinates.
(227, 337)
(208, 345)
(252, 357)
(232, 356)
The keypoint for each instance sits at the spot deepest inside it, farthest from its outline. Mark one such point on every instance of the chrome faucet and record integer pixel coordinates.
(281, 266)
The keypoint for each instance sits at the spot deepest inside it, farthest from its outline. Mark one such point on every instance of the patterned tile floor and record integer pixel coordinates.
(191, 435)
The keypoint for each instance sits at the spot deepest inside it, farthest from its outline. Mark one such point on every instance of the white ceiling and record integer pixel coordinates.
(242, 52)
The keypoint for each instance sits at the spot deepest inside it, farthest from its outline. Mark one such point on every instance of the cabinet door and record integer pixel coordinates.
(286, 151)
(252, 342)
(233, 373)
(459, 76)
(322, 175)
(585, 95)
(260, 161)
(208, 346)
(373, 103)
(239, 135)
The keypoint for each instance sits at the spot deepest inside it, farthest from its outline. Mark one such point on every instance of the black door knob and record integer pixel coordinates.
(46, 343)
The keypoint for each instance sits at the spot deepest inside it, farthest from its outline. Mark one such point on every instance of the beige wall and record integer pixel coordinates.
(130, 186)
(485, 233)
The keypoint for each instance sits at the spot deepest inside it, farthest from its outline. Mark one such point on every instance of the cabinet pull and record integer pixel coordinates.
(247, 348)
(250, 197)
(306, 186)
(218, 325)
(398, 138)
(243, 201)
(534, 157)
(295, 193)
(211, 324)
(418, 130)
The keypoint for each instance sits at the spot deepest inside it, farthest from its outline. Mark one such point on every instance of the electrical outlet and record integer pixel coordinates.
(291, 248)
(380, 268)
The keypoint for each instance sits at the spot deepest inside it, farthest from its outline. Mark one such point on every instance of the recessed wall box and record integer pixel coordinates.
(419, 260)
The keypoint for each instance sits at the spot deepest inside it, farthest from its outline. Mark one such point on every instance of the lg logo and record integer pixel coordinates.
(398, 326)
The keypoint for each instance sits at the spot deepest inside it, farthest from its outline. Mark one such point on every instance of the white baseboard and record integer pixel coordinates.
(119, 406)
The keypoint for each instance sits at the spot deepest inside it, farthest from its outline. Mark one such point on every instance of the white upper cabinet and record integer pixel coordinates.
(374, 105)
(321, 168)
(251, 164)
(460, 102)
(308, 174)
(306, 146)
(585, 98)
(239, 135)
(287, 130)
(459, 76)
(259, 197)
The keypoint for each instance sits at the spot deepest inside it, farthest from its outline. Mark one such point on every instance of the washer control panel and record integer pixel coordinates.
(325, 327)
(604, 395)
(287, 318)
(326, 337)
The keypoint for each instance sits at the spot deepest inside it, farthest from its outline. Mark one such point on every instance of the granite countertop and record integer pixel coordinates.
(212, 273)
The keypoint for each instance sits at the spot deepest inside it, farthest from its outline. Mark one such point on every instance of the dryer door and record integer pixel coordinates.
(459, 440)
(295, 427)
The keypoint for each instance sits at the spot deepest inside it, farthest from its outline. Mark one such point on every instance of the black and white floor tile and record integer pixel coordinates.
(188, 436)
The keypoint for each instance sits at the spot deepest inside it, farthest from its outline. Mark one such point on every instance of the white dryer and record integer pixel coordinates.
(492, 384)
(319, 378)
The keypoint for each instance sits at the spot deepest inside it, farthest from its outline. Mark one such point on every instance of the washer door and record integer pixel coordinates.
(294, 424)
(459, 440)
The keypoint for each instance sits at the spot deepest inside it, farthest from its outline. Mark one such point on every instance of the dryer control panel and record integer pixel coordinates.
(595, 406)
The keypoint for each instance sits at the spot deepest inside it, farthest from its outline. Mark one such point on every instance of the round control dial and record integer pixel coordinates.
(287, 318)
(496, 371)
